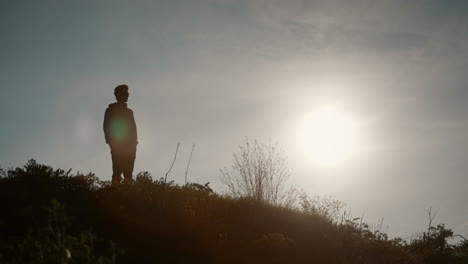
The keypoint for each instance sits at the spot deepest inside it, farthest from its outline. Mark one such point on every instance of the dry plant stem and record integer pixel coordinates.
(461, 237)
(188, 164)
(360, 221)
(431, 218)
(172, 165)
(259, 172)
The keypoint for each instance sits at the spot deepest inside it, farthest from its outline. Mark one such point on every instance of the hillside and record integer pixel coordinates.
(52, 216)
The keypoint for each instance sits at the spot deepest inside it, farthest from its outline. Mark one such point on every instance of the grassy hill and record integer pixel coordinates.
(52, 216)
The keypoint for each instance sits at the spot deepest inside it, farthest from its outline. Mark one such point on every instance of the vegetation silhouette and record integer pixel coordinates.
(120, 133)
(53, 216)
(259, 172)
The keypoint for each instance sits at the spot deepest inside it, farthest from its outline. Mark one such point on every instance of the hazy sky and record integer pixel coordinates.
(212, 72)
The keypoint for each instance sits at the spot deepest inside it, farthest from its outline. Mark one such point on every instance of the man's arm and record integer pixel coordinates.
(134, 129)
(106, 126)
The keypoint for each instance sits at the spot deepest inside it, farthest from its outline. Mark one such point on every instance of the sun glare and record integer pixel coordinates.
(330, 136)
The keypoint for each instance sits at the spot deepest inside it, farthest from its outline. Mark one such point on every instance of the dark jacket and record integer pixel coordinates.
(119, 124)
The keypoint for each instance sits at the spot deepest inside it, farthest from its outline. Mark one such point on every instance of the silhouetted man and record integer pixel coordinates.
(121, 135)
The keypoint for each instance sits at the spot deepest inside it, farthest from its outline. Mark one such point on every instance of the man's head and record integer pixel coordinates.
(121, 93)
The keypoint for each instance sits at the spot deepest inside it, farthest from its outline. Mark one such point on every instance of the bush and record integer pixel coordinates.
(259, 172)
(52, 216)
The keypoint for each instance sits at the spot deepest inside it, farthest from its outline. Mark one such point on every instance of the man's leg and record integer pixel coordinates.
(129, 163)
(116, 168)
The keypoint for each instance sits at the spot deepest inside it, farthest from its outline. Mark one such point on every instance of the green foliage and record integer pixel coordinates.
(432, 246)
(53, 244)
(52, 216)
(275, 241)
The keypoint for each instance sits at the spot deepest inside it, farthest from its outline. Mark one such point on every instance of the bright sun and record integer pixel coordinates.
(330, 136)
